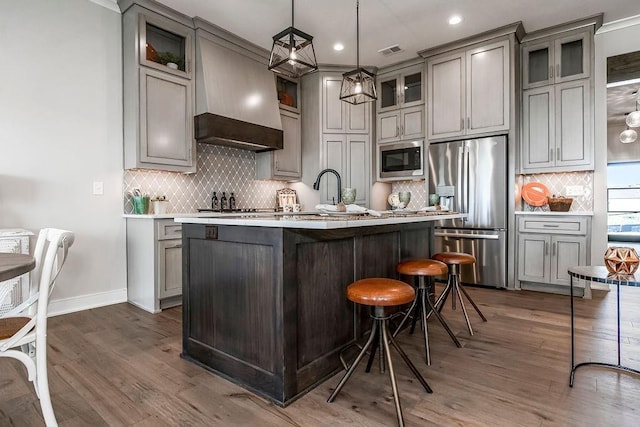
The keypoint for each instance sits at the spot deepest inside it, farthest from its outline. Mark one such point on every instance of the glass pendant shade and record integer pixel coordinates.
(633, 119)
(292, 53)
(359, 85)
(628, 136)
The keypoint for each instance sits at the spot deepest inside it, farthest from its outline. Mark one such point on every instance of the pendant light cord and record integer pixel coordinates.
(357, 34)
(292, 14)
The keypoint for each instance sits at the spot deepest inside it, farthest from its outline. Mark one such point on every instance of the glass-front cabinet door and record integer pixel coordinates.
(400, 89)
(288, 94)
(572, 57)
(388, 93)
(165, 45)
(556, 60)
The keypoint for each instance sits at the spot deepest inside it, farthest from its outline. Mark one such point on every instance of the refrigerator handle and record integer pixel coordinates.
(459, 196)
(465, 182)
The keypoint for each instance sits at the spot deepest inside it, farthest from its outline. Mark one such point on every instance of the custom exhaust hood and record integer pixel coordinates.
(236, 99)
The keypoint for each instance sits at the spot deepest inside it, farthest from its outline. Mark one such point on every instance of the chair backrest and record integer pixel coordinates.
(50, 244)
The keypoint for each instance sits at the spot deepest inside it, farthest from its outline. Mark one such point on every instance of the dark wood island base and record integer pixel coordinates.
(265, 307)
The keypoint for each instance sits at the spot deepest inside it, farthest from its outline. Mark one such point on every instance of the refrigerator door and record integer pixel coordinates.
(489, 248)
(446, 163)
(485, 183)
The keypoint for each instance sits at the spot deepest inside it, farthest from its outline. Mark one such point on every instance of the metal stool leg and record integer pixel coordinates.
(442, 299)
(353, 367)
(394, 386)
(423, 304)
(466, 294)
(444, 324)
(464, 309)
(410, 365)
(372, 354)
(406, 316)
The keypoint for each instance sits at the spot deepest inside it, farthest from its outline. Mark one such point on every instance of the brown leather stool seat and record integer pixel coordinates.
(455, 258)
(422, 306)
(380, 293)
(422, 267)
(454, 287)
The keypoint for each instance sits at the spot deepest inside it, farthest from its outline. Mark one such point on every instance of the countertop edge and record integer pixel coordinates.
(570, 213)
(308, 224)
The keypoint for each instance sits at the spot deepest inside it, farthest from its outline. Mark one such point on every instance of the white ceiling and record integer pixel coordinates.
(413, 24)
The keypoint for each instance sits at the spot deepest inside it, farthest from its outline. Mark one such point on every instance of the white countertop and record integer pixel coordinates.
(573, 213)
(303, 220)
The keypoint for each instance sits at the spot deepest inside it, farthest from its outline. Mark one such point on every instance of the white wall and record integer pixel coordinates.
(612, 39)
(60, 130)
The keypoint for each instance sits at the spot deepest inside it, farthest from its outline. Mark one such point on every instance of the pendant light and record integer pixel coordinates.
(628, 136)
(292, 53)
(633, 119)
(359, 85)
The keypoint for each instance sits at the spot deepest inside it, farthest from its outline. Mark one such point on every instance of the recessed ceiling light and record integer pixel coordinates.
(338, 46)
(455, 19)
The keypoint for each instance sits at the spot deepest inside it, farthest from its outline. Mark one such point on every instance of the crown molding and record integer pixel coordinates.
(108, 4)
(619, 24)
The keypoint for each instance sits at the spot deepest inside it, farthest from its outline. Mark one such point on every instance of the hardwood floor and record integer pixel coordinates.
(120, 366)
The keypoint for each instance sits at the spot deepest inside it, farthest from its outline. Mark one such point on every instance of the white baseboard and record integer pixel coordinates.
(85, 302)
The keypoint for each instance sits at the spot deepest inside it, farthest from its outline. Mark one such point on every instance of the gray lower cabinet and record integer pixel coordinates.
(154, 263)
(158, 84)
(548, 247)
(285, 164)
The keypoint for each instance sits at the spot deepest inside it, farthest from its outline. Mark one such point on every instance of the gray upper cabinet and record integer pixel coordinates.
(339, 116)
(285, 164)
(468, 91)
(556, 60)
(556, 128)
(335, 135)
(158, 91)
(557, 112)
(400, 89)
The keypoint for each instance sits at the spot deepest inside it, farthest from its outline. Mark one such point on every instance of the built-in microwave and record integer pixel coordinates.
(404, 160)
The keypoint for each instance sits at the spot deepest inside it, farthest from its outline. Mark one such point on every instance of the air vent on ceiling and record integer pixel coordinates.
(390, 50)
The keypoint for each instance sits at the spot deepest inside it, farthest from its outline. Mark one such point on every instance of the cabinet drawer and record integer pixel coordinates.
(557, 225)
(168, 229)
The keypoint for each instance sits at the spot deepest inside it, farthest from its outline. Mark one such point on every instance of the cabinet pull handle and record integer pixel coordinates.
(276, 165)
(558, 70)
(551, 154)
(397, 130)
(468, 122)
(550, 71)
(401, 130)
(461, 123)
(553, 250)
(546, 248)
(551, 225)
(558, 154)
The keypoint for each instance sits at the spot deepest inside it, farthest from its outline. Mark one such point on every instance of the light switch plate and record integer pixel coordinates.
(98, 188)
(574, 190)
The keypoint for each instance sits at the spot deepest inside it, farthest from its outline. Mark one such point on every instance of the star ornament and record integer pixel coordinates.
(621, 260)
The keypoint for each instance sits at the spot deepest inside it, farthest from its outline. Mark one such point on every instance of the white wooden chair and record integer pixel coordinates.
(23, 330)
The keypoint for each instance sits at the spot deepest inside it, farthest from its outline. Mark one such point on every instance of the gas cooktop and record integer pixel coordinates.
(239, 210)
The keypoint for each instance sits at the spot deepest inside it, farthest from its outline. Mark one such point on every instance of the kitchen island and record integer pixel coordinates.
(264, 295)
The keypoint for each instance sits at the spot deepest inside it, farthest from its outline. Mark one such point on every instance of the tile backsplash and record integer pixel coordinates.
(417, 189)
(219, 169)
(557, 184)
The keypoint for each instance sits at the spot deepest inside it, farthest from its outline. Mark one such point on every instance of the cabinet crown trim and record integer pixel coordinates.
(584, 23)
(516, 28)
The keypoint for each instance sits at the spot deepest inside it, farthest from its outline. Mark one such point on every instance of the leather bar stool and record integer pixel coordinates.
(381, 294)
(454, 260)
(422, 307)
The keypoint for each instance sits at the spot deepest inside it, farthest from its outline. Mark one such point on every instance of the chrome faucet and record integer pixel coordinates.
(316, 185)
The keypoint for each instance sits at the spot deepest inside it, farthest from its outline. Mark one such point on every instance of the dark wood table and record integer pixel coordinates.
(13, 265)
(602, 275)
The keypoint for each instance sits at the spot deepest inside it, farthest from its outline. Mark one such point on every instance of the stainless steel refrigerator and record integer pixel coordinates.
(471, 177)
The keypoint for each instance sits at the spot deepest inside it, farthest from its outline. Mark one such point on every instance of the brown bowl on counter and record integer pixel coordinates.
(559, 204)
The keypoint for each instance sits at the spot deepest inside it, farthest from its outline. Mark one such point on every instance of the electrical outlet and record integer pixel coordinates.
(574, 190)
(98, 188)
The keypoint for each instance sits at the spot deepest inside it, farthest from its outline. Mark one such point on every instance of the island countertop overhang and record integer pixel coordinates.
(302, 221)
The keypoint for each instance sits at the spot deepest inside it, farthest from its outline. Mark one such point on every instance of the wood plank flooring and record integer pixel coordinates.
(120, 366)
